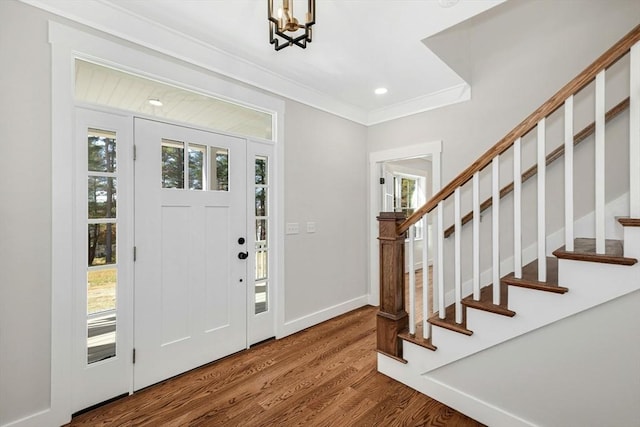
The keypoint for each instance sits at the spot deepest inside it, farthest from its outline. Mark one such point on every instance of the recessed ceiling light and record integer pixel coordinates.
(380, 91)
(155, 102)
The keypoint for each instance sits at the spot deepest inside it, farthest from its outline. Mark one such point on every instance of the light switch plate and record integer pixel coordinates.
(311, 227)
(293, 228)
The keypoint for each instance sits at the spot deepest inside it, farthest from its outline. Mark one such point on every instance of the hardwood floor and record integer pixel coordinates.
(323, 376)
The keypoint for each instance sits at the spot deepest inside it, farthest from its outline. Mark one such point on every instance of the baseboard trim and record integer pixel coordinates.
(478, 409)
(296, 325)
(471, 406)
(38, 419)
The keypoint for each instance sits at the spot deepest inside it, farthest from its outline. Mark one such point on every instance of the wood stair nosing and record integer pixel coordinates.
(417, 339)
(529, 277)
(449, 321)
(629, 222)
(584, 249)
(485, 302)
(528, 280)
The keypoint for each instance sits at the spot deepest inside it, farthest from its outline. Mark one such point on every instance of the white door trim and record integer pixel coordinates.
(67, 44)
(433, 149)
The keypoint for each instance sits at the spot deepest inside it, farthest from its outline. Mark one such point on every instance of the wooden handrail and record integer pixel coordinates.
(551, 157)
(605, 61)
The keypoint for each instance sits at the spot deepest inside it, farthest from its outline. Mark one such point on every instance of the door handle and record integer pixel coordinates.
(243, 255)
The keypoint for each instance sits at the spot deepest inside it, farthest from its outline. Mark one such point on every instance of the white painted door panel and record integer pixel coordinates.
(190, 285)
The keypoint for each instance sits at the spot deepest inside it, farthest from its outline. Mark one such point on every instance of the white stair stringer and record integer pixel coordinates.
(590, 284)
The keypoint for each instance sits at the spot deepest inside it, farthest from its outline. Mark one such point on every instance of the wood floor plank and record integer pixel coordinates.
(322, 376)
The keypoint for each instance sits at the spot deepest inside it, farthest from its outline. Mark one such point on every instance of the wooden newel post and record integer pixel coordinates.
(392, 317)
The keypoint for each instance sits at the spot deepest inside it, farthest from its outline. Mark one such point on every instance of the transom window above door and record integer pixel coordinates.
(97, 84)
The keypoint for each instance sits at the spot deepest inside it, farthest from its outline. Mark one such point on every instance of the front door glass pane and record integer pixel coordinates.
(197, 166)
(102, 195)
(101, 337)
(261, 201)
(261, 297)
(261, 170)
(262, 258)
(219, 169)
(101, 151)
(101, 290)
(102, 244)
(172, 164)
(261, 233)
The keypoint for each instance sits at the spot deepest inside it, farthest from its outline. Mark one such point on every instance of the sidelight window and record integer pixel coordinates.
(102, 261)
(261, 276)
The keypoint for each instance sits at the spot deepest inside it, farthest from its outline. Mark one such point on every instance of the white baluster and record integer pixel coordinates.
(568, 173)
(426, 311)
(634, 133)
(542, 224)
(412, 282)
(476, 236)
(599, 167)
(457, 262)
(441, 313)
(495, 224)
(517, 209)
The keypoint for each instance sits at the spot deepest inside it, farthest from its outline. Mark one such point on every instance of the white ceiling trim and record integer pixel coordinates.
(453, 95)
(121, 23)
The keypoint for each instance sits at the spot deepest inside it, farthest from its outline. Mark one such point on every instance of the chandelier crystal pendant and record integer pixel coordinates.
(285, 30)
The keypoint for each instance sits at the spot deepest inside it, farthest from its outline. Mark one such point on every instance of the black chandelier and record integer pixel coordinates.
(283, 22)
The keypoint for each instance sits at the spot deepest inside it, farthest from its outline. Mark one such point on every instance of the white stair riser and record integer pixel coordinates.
(591, 284)
(632, 242)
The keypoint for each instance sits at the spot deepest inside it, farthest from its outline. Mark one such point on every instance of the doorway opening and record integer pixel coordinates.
(401, 180)
(225, 290)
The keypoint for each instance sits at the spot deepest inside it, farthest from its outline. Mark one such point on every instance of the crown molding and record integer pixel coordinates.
(448, 96)
(116, 21)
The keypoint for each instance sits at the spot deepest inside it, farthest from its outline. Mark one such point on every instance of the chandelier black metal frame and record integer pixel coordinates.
(283, 22)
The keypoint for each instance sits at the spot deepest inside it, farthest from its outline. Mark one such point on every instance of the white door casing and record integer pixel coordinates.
(190, 296)
(387, 189)
(68, 43)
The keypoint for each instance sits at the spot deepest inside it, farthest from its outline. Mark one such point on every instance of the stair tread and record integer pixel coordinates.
(530, 277)
(629, 222)
(486, 301)
(417, 339)
(585, 250)
(449, 321)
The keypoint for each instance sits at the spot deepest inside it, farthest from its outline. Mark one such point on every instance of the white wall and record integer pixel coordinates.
(520, 53)
(325, 169)
(25, 212)
(595, 353)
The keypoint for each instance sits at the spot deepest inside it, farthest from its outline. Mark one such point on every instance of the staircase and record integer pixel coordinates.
(555, 276)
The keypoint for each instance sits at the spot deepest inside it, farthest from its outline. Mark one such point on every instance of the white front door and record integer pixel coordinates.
(191, 245)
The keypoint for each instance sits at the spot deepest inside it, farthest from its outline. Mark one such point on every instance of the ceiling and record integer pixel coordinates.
(97, 84)
(358, 46)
